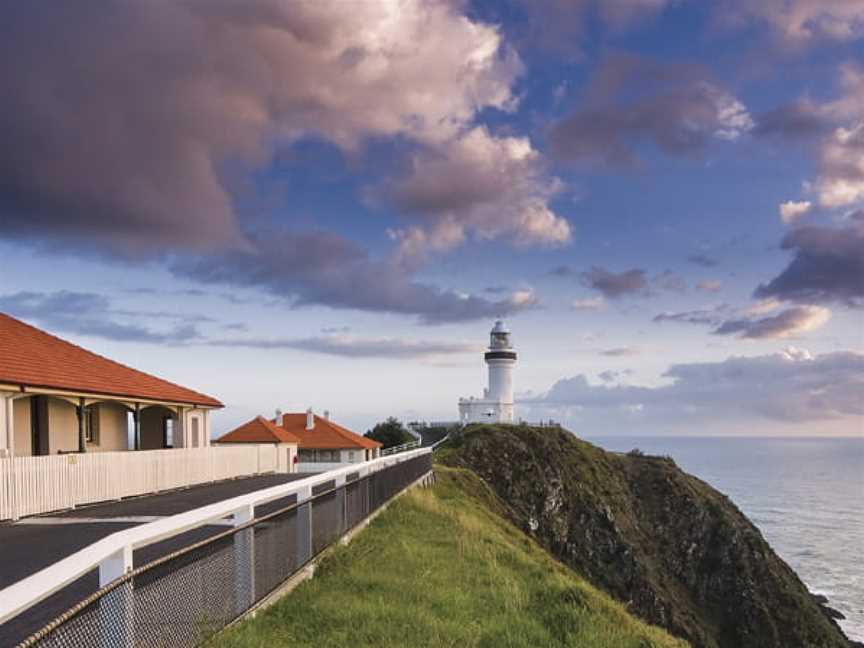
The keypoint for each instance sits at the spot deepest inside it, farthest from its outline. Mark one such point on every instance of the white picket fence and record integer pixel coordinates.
(34, 485)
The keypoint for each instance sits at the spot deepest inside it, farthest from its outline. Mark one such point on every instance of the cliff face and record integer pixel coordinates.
(676, 551)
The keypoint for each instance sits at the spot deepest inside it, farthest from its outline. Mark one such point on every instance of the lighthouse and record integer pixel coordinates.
(496, 405)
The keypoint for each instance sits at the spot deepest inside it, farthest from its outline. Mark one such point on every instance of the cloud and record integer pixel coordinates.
(840, 150)
(497, 289)
(141, 108)
(841, 179)
(614, 285)
(791, 211)
(703, 260)
(620, 352)
(801, 120)
(754, 322)
(588, 304)
(93, 162)
(563, 26)
(562, 271)
(609, 376)
(788, 323)
(786, 388)
(709, 285)
(803, 21)
(631, 100)
(333, 330)
(320, 268)
(671, 282)
(477, 183)
(355, 347)
(92, 315)
(828, 265)
(713, 316)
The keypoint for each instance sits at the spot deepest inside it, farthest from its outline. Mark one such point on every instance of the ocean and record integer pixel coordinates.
(806, 495)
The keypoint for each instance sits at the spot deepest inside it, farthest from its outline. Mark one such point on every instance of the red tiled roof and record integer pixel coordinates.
(325, 435)
(34, 358)
(258, 430)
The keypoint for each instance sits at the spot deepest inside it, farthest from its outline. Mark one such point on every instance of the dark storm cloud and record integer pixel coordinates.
(828, 266)
(92, 315)
(614, 285)
(319, 268)
(630, 100)
(789, 387)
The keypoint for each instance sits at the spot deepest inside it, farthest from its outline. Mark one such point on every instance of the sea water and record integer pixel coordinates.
(806, 495)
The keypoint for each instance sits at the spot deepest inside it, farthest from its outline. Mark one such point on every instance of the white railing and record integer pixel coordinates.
(34, 485)
(411, 445)
(321, 466)
(112, 555)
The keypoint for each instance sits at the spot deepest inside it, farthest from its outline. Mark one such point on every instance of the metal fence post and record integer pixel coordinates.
(244, 560)
(117, 608)
(304, 526)
(341, 503)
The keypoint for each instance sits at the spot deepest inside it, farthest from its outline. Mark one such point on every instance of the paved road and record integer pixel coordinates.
(35, 543)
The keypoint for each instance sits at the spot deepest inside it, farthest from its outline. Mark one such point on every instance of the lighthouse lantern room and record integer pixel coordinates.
(496, 405)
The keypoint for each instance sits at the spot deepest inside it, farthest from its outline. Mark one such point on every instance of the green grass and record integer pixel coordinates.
(441, 567)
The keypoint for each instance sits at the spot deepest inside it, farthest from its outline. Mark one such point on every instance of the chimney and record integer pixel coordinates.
(279, 419)
(326, 415)
(310, 419)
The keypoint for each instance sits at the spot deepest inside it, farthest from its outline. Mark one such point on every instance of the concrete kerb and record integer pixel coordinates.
(308, 571)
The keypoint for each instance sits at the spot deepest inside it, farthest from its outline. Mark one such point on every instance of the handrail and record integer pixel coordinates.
(401, 448)
(113, 553)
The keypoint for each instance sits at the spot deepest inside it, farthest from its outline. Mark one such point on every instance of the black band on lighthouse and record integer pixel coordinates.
(500, 355)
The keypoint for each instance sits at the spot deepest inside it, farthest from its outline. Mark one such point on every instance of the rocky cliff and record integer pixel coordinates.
(676, 551)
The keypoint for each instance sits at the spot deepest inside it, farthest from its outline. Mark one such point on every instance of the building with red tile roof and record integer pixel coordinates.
(56, 396)
(259, 430)
(320, 440)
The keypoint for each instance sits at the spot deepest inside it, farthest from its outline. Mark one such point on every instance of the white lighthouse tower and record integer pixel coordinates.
(496, 405)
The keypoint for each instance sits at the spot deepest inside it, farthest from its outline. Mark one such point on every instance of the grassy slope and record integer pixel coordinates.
(441, 567)
(645, 532)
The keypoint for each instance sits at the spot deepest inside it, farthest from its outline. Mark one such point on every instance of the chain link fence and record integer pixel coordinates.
(189, 595)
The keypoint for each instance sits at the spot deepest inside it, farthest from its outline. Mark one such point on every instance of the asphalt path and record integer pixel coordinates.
(32, 544)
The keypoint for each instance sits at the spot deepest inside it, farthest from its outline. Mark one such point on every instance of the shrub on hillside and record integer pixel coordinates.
(390, 433)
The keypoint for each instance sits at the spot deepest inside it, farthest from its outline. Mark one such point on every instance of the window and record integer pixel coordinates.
(91, 424)
(319, 456)
(307, 455)
(167, 432)
(194, 431)
(352, 456)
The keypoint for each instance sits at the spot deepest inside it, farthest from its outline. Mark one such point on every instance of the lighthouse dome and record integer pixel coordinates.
(500, 327)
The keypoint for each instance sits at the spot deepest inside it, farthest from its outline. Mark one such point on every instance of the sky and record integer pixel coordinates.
(327, 204)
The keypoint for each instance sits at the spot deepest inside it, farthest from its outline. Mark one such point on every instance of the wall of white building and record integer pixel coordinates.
(113, 428)
(60, 423)
(62, 426)
(21, 422)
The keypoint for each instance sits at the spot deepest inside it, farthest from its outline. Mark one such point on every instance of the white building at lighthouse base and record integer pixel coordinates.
(480, 410)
